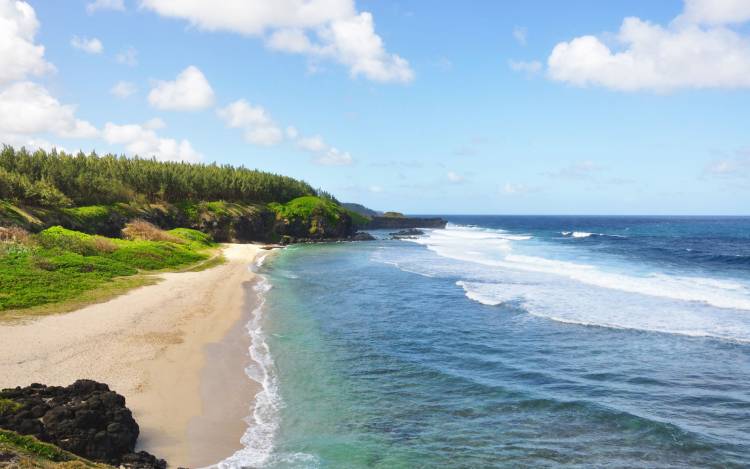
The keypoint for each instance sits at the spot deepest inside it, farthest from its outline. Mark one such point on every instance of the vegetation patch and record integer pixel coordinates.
(31, 446)
(142, 230)
(29, 453)
(309, 207)
(8, 406)
(65, 263)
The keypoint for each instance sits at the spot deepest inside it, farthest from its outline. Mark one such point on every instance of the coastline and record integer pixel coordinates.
(152, 345)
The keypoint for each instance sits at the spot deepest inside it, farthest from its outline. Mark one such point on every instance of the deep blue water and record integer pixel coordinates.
(512, 342)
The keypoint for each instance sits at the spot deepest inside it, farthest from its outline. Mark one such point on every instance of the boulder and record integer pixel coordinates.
(85, 418)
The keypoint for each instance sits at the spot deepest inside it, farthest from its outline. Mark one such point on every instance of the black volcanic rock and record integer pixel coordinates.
(362, 236)
(401, 223)
(411, 233)
(85, 418)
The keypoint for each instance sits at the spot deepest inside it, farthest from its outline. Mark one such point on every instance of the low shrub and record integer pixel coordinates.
(144, 231)
(14, 234)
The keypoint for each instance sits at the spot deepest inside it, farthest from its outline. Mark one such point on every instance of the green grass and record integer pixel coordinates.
(30, 453)
(90, 214)
(6, 406)
(66, 264)
(32, 446)
(198, 238)
(308, 206)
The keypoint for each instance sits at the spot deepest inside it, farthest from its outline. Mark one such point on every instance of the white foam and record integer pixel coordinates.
(607, 293)
(263, 423)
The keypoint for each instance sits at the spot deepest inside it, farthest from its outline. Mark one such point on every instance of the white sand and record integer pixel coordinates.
(150, 346)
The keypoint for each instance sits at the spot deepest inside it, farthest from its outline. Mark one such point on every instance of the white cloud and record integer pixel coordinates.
(696, 50)
(324, 154)
(375, 189)
(190, 91)
(143, 141)
(127, 56)
(333, 157)
(256, 123)
(28, 108)
(530, 68)
(715, 11)
(313, 144)
(455, 177)
(259, 128)
(92, 7)
(341, 33)
(123, 89)
(19, 55)
(520, 34)
(90, 46)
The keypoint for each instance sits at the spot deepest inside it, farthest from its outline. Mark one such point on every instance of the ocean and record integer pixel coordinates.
(508, 341)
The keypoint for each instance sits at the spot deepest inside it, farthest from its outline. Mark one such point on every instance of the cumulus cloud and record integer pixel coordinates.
(28, 108)
(314, 144)
(190, 91)
(256, 123)
(324, 154)
(123, 89)
(333, 157)
(96, 5)
(142, 140)
(699, 49)
(329, 29)
(127, 56)
(715, 11)
(19, 55)
(90, 46)
(259, 128)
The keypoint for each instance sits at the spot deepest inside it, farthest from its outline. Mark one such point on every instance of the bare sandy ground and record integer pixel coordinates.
(176, 351)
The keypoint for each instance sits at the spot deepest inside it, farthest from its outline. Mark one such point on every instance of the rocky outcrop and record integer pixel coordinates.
(85, 418)
(358, 236)
(400, 223)
(410, 233)
(362, 236)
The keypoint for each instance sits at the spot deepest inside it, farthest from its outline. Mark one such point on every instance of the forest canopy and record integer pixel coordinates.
(59, 179)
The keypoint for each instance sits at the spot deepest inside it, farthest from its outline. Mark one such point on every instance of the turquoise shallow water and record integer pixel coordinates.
(458, 350)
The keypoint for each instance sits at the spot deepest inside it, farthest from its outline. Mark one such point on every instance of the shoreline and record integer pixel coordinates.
(152, 345)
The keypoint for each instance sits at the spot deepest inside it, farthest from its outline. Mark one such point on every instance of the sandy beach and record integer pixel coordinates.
(153, 345)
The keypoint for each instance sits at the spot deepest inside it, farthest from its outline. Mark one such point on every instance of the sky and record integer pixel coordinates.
(481, 107)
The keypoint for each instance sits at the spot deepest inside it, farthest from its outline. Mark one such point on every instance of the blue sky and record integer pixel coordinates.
(470, 107)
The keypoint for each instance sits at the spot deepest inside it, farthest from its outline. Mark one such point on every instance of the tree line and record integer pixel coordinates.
(58, 179)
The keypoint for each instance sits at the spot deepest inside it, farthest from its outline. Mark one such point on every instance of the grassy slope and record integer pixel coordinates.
(68, 266)
(28, 452)
(308, 206)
